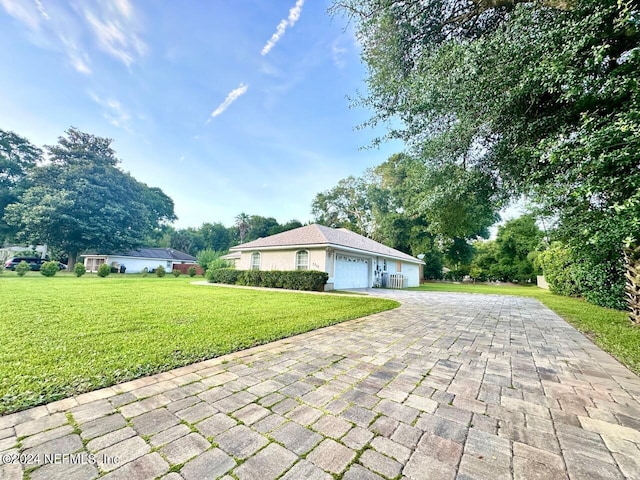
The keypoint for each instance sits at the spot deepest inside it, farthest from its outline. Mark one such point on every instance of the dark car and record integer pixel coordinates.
(34, 262)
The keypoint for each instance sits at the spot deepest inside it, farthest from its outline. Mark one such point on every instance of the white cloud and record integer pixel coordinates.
(113, 111)
(233, 95)
(23, 11)
(41, 9)
(124, 7)
(338, 53)
(79, 59)
(115, 31)
(66, 28)
(294, 15)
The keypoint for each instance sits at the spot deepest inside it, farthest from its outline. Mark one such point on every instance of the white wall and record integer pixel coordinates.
(412, 272)
(542, 282)
(136, 265)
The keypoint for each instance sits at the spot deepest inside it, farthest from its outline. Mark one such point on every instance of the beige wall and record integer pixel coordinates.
(320, 259)
(542, 282)
(283, 260)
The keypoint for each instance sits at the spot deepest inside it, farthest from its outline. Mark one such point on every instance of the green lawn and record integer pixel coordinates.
(610, 329)
(64, 335)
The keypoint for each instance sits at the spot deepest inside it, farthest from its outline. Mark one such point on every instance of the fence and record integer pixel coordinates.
(396, 280)
(184, 268)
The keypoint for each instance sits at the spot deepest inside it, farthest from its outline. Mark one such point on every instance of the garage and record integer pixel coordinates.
(351, 272)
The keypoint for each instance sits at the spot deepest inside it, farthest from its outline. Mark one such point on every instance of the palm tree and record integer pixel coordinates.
(632, 261)
(242, 222)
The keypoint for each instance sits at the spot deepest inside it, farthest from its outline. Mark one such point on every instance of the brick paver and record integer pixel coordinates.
(447, 386)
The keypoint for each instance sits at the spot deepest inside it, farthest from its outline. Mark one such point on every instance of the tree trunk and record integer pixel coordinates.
(72, 260)
(632, 287)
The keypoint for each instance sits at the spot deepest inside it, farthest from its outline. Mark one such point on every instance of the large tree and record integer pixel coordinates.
(215, 236)
(17, 157)
(351, 203)
(539, 97)
(81, 200)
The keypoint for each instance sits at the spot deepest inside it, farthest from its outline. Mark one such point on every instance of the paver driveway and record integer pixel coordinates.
(446, 386)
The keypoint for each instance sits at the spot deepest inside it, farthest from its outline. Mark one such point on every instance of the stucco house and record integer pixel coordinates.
(351, 260)
(233, 258)
(136, 261)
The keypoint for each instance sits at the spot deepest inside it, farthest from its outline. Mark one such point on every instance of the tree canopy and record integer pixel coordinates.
(413, 206)
(80, 200)
(17, 156)
(539, 98)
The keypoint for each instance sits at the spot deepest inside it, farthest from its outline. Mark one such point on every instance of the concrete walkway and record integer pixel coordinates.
(448, 386)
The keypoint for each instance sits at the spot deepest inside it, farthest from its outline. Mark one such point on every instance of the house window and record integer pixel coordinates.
(398, 267)
(302, 260)
(255, 261)
(94, 263)
(384, 265)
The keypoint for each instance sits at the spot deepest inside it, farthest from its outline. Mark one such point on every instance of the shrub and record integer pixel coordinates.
(160, 271)
(49, 269)
(22, 268)
(600, 283)
(557, 265)
(290, 279)
(205, 257)
(79, 269)
(458, 274)
(217, 264)
(223, 275)
(477, 274)
(251, 278)
(114, 269)
(104, 270)
(192, 271)
(175, 273)
(433, 266)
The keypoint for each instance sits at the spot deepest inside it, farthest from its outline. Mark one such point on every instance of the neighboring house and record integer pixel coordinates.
(135, 261)
(233, 258)
(351, 260)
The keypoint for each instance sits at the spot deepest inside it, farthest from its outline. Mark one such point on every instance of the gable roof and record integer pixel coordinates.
(319, 235)
(159, 253)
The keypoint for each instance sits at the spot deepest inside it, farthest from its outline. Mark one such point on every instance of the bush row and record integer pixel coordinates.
(289, 279)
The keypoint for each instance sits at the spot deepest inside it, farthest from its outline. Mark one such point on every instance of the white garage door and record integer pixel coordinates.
(351, 272)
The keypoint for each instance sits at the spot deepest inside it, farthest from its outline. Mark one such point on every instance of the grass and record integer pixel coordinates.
(610, 329)
(66, 335)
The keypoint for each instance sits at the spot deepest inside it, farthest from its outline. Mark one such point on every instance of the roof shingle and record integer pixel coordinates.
(320, 235)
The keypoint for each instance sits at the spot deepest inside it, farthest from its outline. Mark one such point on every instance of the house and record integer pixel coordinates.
(351, 260)
(135, 261)
(233, 258)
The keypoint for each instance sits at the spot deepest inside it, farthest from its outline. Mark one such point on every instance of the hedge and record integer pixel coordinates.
(289, 279)
(224, 275)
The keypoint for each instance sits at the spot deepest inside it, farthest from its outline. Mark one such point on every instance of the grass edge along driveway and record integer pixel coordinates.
(63, 335)
(610, 329)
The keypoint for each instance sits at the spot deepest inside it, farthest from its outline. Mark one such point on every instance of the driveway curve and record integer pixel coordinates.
(447, 386)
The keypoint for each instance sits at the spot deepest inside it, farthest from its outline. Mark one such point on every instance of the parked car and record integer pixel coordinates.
(34, 262)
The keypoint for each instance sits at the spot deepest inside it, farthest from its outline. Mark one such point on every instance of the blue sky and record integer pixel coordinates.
(228, 106)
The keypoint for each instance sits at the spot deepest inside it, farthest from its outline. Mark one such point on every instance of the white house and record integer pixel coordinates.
(351, 260)
(135, 261)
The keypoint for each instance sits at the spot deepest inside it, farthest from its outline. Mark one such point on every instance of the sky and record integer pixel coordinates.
(227, 106)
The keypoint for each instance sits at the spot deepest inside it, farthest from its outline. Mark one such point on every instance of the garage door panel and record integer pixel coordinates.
(351, 272)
